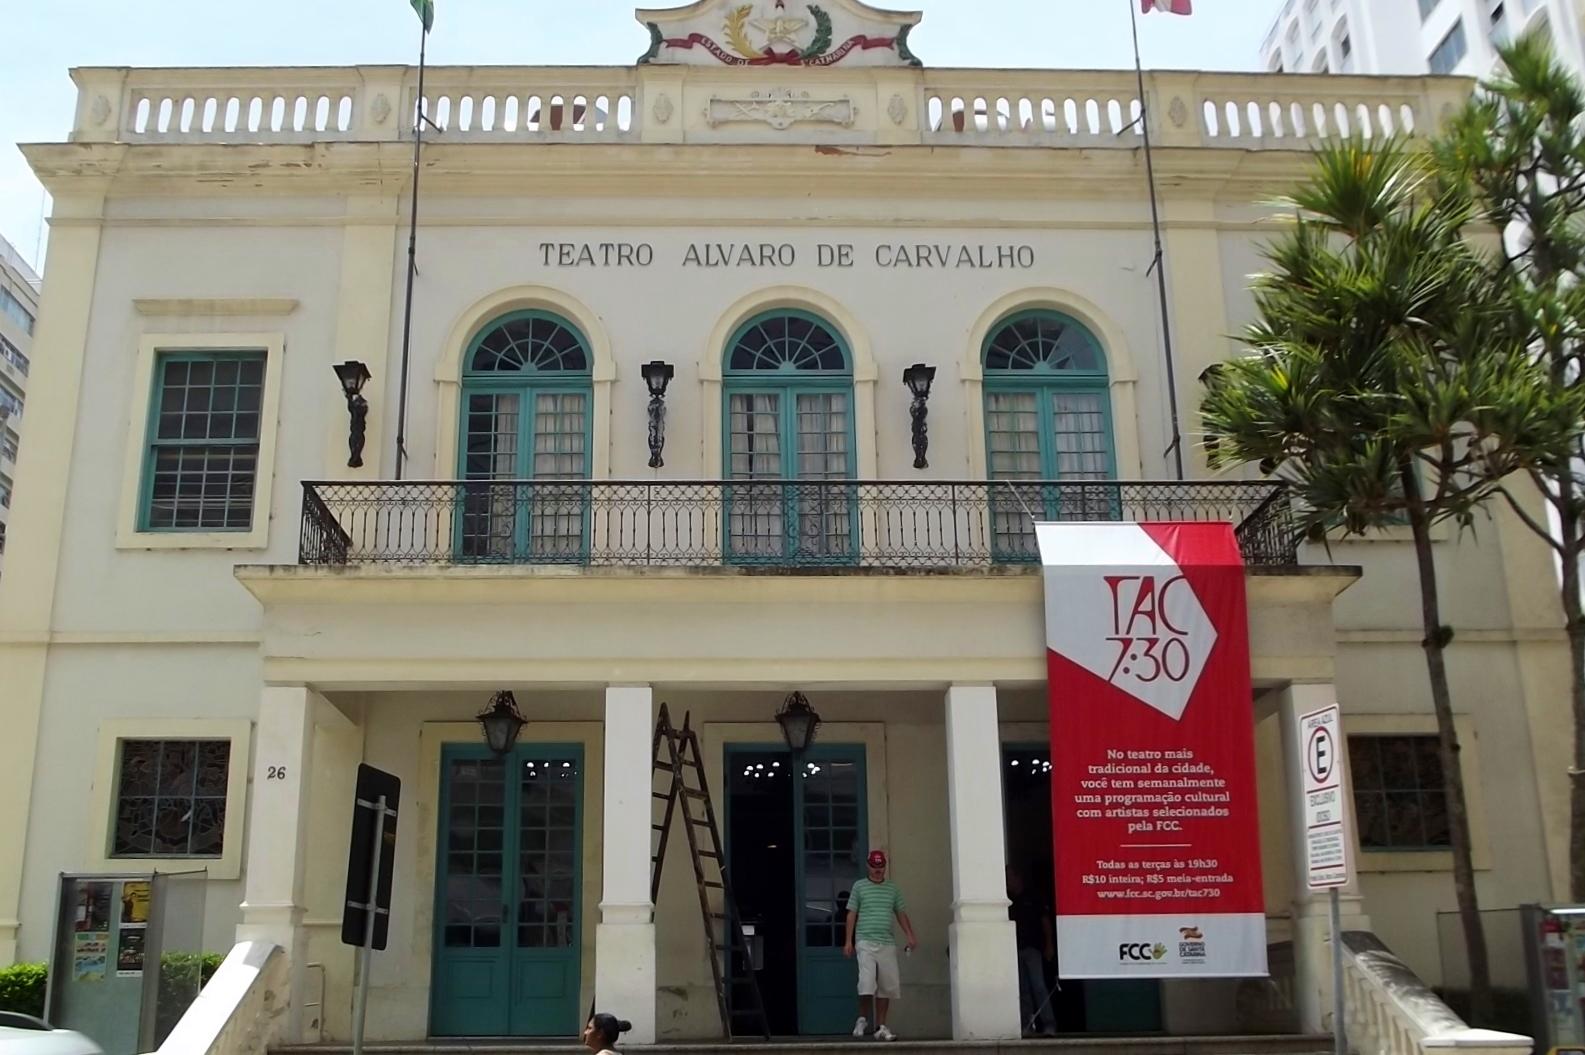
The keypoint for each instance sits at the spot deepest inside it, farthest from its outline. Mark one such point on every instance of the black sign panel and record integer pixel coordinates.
(372, 784)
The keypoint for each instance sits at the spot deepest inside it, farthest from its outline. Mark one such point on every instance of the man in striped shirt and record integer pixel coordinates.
(872, 906)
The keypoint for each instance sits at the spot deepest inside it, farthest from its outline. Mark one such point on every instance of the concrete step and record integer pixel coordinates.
(1069, 1045)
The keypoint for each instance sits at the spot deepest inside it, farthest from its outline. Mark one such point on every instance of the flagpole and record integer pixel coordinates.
(1176, 446)
(412, 254)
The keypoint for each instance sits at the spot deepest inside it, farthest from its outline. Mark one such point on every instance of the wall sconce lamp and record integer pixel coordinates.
(354, 375)
(918, 378)
(501, 721)
(657, 375)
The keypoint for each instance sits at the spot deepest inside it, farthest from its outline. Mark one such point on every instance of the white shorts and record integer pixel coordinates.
(878, 970)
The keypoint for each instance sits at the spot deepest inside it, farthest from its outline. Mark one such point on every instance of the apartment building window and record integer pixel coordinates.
(1451, 51)
(13, 355)
(10, 403)
(12, 307)
(170, 798)
(202, 453)
(1399, 798)
(8, 446)
(5, 497)
(1426, 7)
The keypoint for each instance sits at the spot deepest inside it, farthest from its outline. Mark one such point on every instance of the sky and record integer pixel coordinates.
(43, 39)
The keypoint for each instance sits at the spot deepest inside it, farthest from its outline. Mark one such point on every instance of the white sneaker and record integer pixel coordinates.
(861, 1026)
(885, 1034)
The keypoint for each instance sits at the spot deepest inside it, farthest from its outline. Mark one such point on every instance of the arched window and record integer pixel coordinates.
(788, 417)
(1048, 416)
(526, 399)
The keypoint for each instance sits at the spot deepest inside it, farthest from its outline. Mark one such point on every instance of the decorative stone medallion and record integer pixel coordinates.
(663, 109)
(897, 110)
(380, 109)
(1178, 112)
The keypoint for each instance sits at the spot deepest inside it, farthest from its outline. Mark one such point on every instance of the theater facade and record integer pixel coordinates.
(210, 617)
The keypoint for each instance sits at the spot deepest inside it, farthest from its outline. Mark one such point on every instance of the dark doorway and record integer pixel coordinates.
(761, 856)
(1080, 1007)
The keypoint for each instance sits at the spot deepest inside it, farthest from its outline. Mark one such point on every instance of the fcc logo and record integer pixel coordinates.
(1140, 952)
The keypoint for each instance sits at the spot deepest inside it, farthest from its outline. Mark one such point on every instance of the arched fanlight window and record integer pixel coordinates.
(1048, 416)
(788, 417)
(526, 399)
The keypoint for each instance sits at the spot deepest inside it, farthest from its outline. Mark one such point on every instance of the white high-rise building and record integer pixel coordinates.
(1410, 37)
(19, 305)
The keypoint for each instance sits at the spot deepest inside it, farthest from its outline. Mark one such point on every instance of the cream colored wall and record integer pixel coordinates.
(92, 684)
(338, 257)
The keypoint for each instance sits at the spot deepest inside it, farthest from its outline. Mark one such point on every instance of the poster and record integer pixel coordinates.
(92, 913)
(129, 952)
(1155, 823)
(90, 952)
(135, 901)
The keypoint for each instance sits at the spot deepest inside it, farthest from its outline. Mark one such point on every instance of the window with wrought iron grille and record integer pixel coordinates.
(170, 798)
(1400, 802)
(202, 458)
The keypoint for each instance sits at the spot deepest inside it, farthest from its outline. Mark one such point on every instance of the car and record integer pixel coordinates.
(25, 1035)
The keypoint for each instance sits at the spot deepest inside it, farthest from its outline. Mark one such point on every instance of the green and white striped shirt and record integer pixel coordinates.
(876, 905)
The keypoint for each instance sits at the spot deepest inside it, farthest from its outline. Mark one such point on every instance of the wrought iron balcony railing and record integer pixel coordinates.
(756, 523)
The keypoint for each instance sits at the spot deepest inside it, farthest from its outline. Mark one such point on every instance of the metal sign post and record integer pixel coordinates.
(366, 917)
(370, 914)
(1325, 837)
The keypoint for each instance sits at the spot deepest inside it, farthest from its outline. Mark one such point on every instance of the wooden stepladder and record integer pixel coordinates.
(676, 753)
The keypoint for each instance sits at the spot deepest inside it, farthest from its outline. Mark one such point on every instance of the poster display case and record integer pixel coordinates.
(126, 959)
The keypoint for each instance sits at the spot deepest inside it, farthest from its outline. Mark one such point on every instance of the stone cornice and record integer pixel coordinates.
(669, 171)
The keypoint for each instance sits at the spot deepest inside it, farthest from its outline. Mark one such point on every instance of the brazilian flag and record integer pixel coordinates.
(426, 12)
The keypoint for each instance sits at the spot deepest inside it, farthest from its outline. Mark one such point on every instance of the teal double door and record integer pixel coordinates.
(507, 905)
(797, 840)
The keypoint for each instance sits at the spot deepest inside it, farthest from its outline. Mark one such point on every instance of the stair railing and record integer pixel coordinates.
(1390, 1011)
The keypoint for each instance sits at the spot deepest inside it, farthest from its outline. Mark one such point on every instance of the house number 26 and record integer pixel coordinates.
(275, 773)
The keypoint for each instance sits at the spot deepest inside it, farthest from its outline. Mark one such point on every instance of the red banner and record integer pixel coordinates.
(1155, 824)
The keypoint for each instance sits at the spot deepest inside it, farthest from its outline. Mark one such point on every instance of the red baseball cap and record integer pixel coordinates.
(877, 859)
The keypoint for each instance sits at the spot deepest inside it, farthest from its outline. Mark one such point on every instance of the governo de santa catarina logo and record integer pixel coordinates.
(1131, 618)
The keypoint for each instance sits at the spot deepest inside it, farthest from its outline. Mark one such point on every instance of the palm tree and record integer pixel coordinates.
(1519, 149)
(1384, 390)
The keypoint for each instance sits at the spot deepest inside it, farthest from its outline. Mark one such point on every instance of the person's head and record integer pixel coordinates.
(602, 1031)
(877, 865)
(1015, 881)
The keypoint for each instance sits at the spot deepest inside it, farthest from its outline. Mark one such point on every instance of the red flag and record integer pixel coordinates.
(1174, 7)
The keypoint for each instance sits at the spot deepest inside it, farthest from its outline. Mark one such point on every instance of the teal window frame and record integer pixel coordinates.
(1045, 381)
(787, 382)
(153, 444)
(526, 383)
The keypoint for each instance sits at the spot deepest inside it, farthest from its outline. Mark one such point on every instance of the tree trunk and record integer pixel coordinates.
(1574, 623)
(1435, 645)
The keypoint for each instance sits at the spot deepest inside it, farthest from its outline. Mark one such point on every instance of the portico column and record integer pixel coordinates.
(1312, 945)
(624, 940)
(981, 949)
(273, 902)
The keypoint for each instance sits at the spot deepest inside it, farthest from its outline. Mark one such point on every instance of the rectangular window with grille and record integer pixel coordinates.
(170, 798)
(1399, 798)
(203, 442)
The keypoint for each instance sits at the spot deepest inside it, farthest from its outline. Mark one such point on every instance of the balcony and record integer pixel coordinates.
(769, 525)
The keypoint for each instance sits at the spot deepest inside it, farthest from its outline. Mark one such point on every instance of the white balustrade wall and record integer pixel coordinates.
(991, 108)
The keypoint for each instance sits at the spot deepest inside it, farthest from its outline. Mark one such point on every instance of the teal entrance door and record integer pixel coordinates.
(831, 840)
(507, 936)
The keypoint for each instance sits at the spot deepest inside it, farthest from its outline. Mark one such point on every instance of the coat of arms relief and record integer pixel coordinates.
(779, 32)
